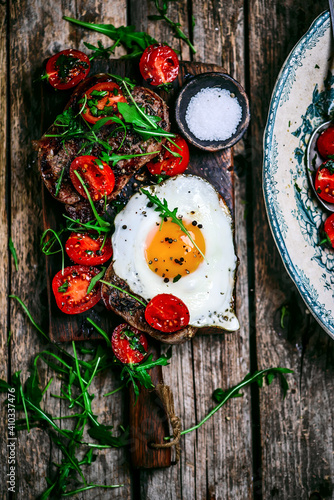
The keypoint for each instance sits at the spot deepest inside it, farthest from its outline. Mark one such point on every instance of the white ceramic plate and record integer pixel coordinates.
(302, 99)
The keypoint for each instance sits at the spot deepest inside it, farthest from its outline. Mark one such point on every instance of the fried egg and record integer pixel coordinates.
(154, 255)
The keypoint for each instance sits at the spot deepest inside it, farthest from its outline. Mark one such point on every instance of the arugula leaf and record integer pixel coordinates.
(13, 252)
(164, 211)
(100, 50)
(176, 27)
(132, 115)
(134, 41)
(103, 435)
(95, 279)
(221, 396)
(4, 386)
(123, 291)
(133, 373)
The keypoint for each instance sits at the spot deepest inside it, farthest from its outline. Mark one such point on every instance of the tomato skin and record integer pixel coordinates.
(169, 164)
(329, 228)
(99, 181)
(85, 248)
(76, 280)
(325, 142)
(114, 95)
(167, 313)
(159, 64)
(324, 183)
(122, 346)
(74, 68)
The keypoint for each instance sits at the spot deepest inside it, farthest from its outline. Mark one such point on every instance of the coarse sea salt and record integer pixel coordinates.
(213, 114)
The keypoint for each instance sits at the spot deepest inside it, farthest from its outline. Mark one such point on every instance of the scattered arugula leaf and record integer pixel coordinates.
(135, 42)
(47, 245)
(13, 252)
(100, 50)
(176, 27)
(221, 396)
(284, 313)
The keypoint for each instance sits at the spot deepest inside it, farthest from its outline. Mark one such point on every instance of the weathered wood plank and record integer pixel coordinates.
(4, 276)
(28, 283)
(228, 449)
(38, 32)
(205, 467)
(169, 483)
(296, 434)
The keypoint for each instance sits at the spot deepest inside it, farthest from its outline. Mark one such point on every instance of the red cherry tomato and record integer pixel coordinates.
(102, 101)
(329, 228)
(98, 177)
(169, 164)
(167, 313)
(129, 344)
(70, 289)
(159, 64)
(67, 68)
(88, 248)
(324, 181)
(325, 142)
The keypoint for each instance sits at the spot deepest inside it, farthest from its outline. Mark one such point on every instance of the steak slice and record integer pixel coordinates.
(55, 155)
(134, 313)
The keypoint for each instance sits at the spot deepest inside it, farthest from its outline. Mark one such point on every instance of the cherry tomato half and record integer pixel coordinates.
(70, 289)
(167, 313)
(102, 101)
(97, 176)
(129, 344)
(169, 164)
(324, 181)
(88, 248)
(325, 142)
(67, 68)
(159, 64)
(329, 228)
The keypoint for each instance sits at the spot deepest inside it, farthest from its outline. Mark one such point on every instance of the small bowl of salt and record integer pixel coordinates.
(212, 111)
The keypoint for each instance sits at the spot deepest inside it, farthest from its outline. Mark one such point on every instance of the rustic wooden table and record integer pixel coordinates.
(259, 446)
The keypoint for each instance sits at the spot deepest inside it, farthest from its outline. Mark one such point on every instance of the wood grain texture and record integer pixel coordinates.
(4, 275)
(36, 33)
(295, 463)
(228, 441)
(215, 461)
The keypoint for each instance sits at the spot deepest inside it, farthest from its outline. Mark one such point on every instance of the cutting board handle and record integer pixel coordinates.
(148, 422)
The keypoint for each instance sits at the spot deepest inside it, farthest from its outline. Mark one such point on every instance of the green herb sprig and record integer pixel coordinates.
(221, 396)
(13, 252)
(164, 211)
(123, 291)
(162, 8)
(138, 373)
(135, 42)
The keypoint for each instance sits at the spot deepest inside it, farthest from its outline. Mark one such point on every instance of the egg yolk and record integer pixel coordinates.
(169, 251)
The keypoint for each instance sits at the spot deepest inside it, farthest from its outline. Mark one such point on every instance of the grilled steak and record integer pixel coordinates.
(56, 155)
(133, 312)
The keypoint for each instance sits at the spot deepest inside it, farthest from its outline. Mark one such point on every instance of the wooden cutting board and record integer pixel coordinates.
(147, 418)
(215, 167)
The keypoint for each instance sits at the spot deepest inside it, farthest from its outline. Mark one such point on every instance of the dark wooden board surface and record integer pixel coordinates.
(259, 446)
(217, 168)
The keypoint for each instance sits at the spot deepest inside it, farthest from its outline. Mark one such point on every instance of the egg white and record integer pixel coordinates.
(208, 291)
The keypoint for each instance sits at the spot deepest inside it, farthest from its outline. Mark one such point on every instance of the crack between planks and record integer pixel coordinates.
(11, 495)
(196, 419)
(190, 27)
(254, 389)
